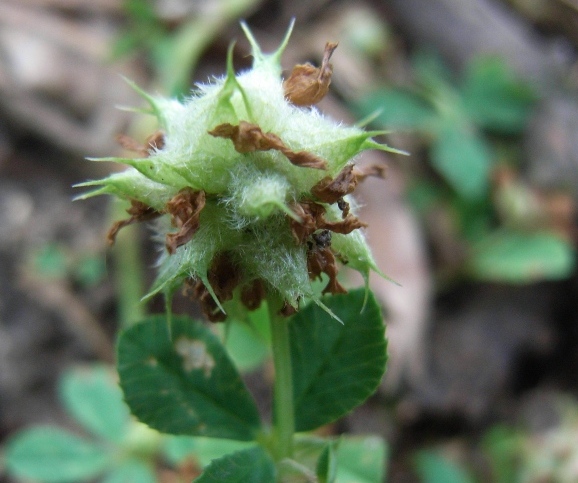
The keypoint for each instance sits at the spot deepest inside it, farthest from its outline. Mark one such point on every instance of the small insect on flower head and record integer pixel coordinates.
(250, 186)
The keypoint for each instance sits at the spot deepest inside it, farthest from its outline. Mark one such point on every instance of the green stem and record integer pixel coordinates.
(129, 271)
(284, 420)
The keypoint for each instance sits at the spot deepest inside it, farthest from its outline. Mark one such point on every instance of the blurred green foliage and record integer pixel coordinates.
(512, 454)
(434, 467)
(454, 117)
(115, 448)
(471, 128)
(54, 261)
(173, 46)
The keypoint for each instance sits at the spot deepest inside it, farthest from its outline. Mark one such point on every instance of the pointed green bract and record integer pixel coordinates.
(130, 184)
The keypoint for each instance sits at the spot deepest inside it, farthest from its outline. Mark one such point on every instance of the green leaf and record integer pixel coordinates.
(326, 470)
(464, 160)
(361, 460)
(179, 448)
(203, 450)
(247, 343)
(475, 218)
(307, 451)
(434, 468)
(141, 11)
(424, 195)
(493, 97)
(397, 109)
(184, 384)
(90, 270)
(123, 45)
(52, 455)
(504, 447)
(431, 72)
(513, 257)
(335, 367)
(93, 397)
(252, 465)
(131, 471)
(50, 262)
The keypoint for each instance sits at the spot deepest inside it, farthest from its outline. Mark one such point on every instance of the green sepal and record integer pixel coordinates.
(225, 107)
(159, 172)
(371, 144)
(272, 61)
(130, 184)
(258, 195)
(156, 103)
(194, 259)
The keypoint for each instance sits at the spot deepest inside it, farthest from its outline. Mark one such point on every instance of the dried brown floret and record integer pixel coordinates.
(375, 170)
(322, 239)
(138, 212)
(196, 290)
(344, 207)
(322, 260)
(253, 294)
(345, 226)
(223, 276)
(307, 84)
(331, 190)
(248, 137)
(287, 310)
(312, 219)
(155, 141)
(310, 214)
(185, 208)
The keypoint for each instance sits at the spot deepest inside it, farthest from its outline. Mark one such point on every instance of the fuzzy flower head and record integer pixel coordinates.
(250, 185)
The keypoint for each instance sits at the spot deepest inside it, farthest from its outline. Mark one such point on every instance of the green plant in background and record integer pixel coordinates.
(511, 454)
(249, 186)
(433, 467)
(454, 118)
(118, 449)
(464, 125)
(53, 261)
(519, 455)
(174, 50)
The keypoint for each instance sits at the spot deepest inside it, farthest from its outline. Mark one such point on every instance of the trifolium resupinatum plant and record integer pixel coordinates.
(249, 186)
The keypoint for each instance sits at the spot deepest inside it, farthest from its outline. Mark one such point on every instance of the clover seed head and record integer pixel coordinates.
(250, 187)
